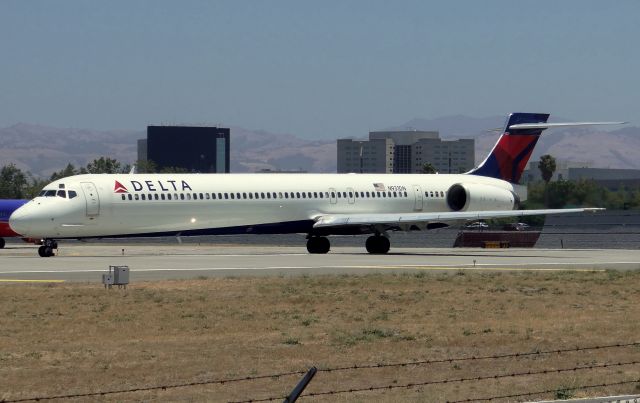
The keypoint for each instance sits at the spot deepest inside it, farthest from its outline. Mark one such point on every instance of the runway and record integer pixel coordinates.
(86, 262)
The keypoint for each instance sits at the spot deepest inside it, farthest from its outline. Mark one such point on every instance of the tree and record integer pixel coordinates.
(428, 168)
(104, 165)
(146, 167)
(69, 170)
(547, 167)
(13, 182)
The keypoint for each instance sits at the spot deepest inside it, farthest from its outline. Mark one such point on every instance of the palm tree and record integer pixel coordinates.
(547, 167)
(427, 168)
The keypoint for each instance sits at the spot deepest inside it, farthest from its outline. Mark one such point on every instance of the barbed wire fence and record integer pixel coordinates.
(372, 388)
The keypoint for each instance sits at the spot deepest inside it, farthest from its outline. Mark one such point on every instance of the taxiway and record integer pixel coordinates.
(86, 262)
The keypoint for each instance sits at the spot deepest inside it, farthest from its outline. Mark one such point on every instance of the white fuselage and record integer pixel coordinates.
(192, 204)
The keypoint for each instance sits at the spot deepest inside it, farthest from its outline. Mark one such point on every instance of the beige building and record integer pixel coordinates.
(405, 152)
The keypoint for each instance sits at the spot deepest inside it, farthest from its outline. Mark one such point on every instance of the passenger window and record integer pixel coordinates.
(395, 194)
(181, 196)
(251, 195)
(238, 196)
(350, 194)
(297, 195)
(333, 194)
(304, 196)
(262, 195)
(219, 195)
(136, 196)
(162, 196)
(226, 195)
(130, 197)
(320, 194)
(233, 196)
(123, 197)
(441, 193)
(155, 196)
(244, 195)
(344, 194)
(339, 195)
(367, 194)
(143, 196)
(169, 196)
(431, 194)
(405, 194)
(206, 195)
(326, 194)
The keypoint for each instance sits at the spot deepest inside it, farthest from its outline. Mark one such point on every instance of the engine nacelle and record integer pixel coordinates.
(476, 197)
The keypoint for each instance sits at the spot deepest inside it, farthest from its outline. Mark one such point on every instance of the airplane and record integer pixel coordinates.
(8, 206)
(318, 205)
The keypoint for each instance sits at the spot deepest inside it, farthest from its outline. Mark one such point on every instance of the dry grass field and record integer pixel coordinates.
(79, 338)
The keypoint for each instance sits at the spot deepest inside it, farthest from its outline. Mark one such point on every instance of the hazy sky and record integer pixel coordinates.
(316, 69)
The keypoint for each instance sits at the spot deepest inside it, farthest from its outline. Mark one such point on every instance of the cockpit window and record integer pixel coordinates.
(62, 193)
(42, 192)
(49, 193)
(72, 194)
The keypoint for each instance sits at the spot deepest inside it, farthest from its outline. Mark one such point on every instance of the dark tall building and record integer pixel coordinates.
(196, 149)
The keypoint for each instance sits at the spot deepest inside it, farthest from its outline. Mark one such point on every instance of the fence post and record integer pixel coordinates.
(297, 391)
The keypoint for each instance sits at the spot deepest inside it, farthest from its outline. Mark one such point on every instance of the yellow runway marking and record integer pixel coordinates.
(3, 280)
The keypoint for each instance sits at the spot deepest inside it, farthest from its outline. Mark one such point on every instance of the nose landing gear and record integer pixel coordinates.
(46, 250)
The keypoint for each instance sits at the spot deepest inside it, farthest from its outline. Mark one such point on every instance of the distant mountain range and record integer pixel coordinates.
(42, 150)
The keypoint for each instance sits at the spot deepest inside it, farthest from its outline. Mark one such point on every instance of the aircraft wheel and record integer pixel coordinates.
(318, 245)
(378, 245)
(1, 243)
(45, 251)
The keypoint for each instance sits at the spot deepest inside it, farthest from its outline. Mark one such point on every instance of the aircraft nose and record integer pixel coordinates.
(20, 222)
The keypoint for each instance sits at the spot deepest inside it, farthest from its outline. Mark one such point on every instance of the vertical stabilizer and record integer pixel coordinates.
(510, 155)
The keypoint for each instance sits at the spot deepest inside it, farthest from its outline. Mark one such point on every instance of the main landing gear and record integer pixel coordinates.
(378, 245)
(318, 244)
(46, 250)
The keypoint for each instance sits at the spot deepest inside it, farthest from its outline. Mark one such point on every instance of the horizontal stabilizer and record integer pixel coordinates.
(552, 125)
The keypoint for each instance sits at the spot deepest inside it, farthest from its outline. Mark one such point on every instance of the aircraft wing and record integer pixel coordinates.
(422, 219)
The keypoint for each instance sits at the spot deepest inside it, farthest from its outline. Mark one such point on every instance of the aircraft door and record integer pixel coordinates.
(417, 206)
(91, 198)
(332, 196)
(350, 196)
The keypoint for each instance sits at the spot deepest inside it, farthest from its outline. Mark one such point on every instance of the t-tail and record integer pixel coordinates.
(510, 155)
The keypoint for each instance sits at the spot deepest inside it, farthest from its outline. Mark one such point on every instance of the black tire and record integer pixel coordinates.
(45, 251)
(377, 245)
(2, 243)
(318, 245)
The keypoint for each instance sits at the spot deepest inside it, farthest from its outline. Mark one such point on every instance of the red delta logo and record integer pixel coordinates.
(119, 188)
